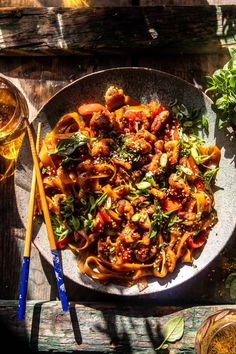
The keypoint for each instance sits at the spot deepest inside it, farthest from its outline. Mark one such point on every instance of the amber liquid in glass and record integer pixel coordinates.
(9, 146)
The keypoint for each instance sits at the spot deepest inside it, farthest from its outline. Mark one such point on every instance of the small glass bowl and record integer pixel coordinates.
(213, 329)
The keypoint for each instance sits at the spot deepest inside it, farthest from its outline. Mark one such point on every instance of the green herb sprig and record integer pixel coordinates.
(222, 85)
(68, 145)
(190, 121)
(172, 331)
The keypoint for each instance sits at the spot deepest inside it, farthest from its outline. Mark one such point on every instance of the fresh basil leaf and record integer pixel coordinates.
(232, 51)
(68, 145)
(232, 81)
(222, 86)
(190, 121)
(173, 329)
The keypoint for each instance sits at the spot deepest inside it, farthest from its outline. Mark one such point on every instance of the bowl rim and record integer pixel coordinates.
(115, 69)
(121, 68)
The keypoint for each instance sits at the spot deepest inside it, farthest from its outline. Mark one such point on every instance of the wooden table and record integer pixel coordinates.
(43, 49)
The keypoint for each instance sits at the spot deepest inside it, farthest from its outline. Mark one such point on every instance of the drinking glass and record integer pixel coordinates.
(13, 111)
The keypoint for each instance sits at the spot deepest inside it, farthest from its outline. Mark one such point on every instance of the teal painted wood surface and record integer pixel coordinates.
(102, 328)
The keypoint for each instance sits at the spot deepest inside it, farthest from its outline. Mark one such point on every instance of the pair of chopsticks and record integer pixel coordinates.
(28, 238)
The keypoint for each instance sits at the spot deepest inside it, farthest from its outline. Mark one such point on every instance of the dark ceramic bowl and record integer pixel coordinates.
(145, 85)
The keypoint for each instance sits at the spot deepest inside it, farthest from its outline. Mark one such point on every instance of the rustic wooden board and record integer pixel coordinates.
(110, 3)
(99, 328)
(50, 31)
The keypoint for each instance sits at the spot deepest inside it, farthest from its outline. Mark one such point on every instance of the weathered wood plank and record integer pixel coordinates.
(65, 3)
(110, 3)
(45, 31)
(109, 328)
(185, 2)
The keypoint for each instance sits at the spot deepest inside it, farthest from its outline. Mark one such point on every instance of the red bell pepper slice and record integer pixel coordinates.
(171, 205)
(158, 111)
(62, 243)
(199, 185)
(199, 240)
(104, 215)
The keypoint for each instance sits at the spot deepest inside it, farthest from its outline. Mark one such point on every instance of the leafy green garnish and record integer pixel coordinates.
(60, 230)
(222, 85)
(143, 185)
(121, 151)
(68, 145)
(149, 178)
(184, 170)
(158, 219)
(199, 159)
(190, 121)
(174, 219)
(172, 331)
(95, 203)
(208, 175)
(67, 207)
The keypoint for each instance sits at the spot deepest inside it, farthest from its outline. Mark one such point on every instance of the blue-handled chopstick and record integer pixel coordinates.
(52, 243)
(28, 239)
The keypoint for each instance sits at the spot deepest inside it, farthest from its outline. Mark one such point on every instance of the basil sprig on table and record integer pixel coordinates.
(172, 331)
(222, 85)
(68, 145)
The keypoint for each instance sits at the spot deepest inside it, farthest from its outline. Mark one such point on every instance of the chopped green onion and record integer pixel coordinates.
(143, 185)
(135, 217)
(163, 160)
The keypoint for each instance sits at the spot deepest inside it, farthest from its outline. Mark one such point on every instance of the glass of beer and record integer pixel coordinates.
(13, 111)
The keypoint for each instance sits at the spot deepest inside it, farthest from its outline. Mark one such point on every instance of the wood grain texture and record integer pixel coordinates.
(110, 3)
(99, 328)
(50, 31)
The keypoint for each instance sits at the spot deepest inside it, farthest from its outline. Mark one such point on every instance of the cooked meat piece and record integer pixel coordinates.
(177, 182)
(114, 98)
(100, 121)
(172, 148)
(159, 120)
(138, 144)
(159, 146)
(125, 207)
(146, 135)
(101, 148)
